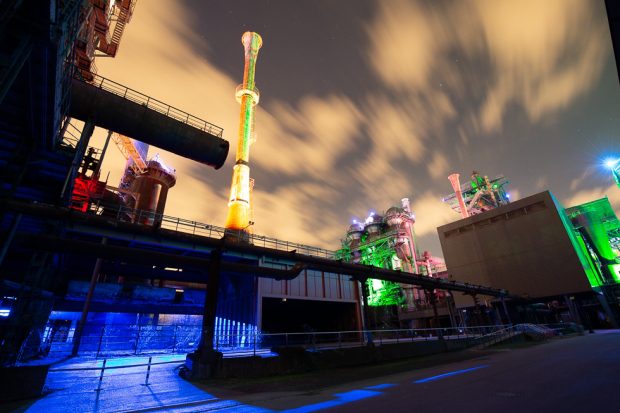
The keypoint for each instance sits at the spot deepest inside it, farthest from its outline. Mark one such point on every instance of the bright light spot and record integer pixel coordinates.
(508, 196)
(611, 162)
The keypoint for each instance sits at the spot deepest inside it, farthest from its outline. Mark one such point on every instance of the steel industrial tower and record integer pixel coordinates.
(238, 219)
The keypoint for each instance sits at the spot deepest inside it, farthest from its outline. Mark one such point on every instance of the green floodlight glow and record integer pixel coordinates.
(377, 253)
(381, 292)
(592, 231)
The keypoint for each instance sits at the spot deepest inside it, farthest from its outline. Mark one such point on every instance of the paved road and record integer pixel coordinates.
(579, 374)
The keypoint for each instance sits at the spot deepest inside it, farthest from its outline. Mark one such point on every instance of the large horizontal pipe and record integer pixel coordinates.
(138, 121)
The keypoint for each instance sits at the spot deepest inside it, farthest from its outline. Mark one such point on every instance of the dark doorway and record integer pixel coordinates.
(280, 316)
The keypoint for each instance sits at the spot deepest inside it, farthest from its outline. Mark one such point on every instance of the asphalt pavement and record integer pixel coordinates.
(575, 374)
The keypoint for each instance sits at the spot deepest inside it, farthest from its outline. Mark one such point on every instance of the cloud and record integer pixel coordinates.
(291, 213)
(490, 53)
(438, 166)
(447, 74)
(577, 182)
(403, 43)
(430, 213)
(298, 143)
(515, 194)
(308, 139)
(612, 192)
(542, 183)
(539, 60)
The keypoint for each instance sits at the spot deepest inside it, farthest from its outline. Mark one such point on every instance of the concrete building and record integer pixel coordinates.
(536, 248)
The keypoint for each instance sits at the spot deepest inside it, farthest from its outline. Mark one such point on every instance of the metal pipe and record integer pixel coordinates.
(103, 151)
(77, 335)
(456, 185)
(9, 236)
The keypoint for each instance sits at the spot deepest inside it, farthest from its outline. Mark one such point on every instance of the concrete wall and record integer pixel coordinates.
(523, 247)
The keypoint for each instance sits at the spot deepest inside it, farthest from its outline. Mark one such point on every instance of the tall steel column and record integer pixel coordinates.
(238, 219)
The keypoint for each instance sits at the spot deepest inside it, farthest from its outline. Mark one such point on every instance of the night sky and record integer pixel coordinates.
(365, 102)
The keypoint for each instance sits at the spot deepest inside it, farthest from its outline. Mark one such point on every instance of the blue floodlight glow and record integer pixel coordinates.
(380, 386)
(452, 373)
(611, 162)
(342, 398)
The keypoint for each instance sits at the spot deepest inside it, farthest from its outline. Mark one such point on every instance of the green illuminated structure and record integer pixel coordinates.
(595, 232)
(380, 253)
(615, 171)
(388, 242)
(377, 252)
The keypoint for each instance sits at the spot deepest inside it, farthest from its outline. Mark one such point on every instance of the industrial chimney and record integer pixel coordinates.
(238, 219)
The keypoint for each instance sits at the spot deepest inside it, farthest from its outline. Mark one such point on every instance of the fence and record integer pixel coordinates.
(124, 373)
(119, 340)
(206, 230)
(151, 103)
(109, 340)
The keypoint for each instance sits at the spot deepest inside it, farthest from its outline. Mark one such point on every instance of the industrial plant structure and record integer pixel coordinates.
(51, 100)
(478, 195)
(87, 267)
(389, 241)
(127, 292)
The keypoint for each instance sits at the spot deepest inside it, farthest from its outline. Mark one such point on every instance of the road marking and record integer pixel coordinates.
(452, 373)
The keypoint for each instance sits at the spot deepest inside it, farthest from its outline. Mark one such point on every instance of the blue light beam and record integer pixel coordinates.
(452, 373)
(342, 398)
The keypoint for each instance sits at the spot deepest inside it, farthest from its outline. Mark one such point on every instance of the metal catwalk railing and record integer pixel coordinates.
(152, 103)
(123, 340)
(212, 231)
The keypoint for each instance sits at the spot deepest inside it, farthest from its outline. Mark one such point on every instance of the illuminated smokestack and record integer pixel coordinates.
(238, 219)
(456, 185)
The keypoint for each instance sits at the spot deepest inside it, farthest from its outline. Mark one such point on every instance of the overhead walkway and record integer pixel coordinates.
(169, 247)
(113, 106)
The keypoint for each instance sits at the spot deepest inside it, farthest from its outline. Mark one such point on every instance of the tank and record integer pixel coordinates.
(373, 225)
(152, 188)
(394, 216)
